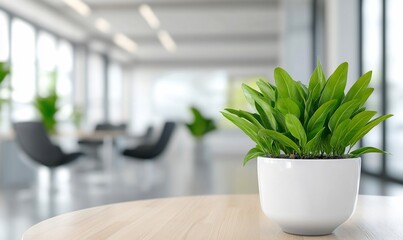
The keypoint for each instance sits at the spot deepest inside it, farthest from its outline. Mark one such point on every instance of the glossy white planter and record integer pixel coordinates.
(308, 197)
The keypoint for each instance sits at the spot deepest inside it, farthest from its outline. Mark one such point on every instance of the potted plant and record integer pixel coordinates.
(47, 106)
(308, 172)
(199, 127)
(4, 71)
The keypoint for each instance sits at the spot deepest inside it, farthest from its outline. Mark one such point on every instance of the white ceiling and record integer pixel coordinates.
(205, 31)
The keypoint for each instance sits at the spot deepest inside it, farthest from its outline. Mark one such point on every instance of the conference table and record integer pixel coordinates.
(210, 217)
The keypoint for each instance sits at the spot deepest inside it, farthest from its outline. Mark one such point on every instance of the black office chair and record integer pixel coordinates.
(34, 141)
(152, 150)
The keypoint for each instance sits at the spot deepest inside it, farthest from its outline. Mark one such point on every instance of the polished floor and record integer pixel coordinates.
(178, 172)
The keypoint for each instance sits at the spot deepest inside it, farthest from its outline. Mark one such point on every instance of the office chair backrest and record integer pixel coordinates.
(34, 141)
(166, 134)
(148, 133)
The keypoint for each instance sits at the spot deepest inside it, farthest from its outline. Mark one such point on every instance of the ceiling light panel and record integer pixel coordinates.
(148, 14)
(167, 41)
(103, 25)
(79, 6)
(124, 42)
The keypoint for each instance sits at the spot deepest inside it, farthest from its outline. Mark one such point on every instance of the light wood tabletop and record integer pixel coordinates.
(210, 217)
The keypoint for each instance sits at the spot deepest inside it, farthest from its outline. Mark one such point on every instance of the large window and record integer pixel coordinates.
(47, 57)
(394, 88)
(372, 52)
(95, 90)
(64, 85)
(382, 52)
(55, 66)
(38, 59)
(4, 56)
(4, 36)
(24, 71)
(174, 94)
(115, 93)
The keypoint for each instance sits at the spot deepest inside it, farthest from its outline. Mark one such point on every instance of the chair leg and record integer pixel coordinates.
(52, 180)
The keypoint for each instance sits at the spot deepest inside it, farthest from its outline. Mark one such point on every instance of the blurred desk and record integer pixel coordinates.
(108, 138)
(210, 217)
(95, 135)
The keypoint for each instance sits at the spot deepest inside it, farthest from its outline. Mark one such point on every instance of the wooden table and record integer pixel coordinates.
(210, 217)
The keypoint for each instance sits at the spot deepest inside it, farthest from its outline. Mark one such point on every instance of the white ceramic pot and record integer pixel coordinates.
(308, 196)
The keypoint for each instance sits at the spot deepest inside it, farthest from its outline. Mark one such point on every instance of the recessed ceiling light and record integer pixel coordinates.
(167, 41)
(124, 42)
(103, 25)
(79, 6)
(149, 16)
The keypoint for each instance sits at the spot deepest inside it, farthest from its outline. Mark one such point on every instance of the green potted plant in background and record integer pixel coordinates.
(47, 106)
(4, 71)
(308, 172)
(199, 127)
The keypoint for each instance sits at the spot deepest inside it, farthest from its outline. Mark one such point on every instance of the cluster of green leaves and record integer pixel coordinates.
(4, 71)
(293, 120)
(200, 125)
(47, 106)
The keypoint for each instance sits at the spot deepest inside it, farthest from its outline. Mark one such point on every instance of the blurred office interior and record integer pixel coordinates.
(140, 64)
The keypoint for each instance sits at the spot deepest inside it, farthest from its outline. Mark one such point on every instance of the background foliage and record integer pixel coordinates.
(201, 125)
(47, 106)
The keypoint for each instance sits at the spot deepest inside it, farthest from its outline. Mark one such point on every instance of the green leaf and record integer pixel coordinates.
(248, 116)
(361, 109)
(266, 89)
(343, 112)
(338, 135)
(316, 83)
(325, 144)
(250, 94)
(302, 91)
(281, 127)
(263, 117)
(4, 71)
(368, 128)
(318, 119)
(282, 139)
(357, 123)
(248, 128)
(285, 84)
(267, 111)
(296, 129)
(364, 150)
(357, 90)
(253, 153)
(365, 95)
(287, 105)
(334, 88)
(263, 107)
(314, 144)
